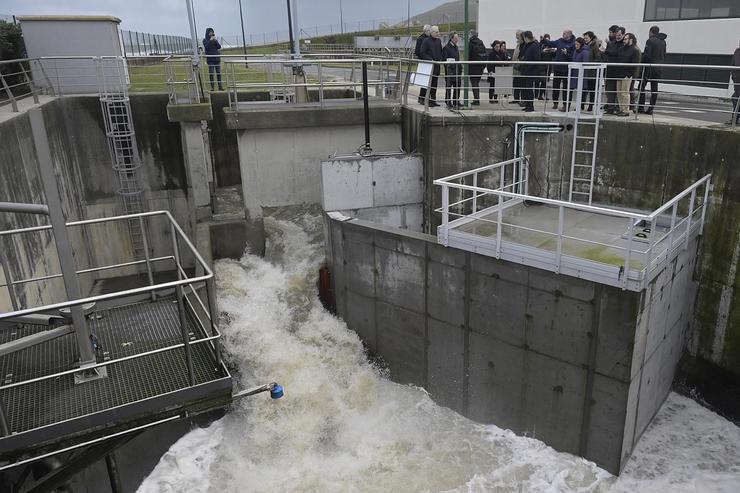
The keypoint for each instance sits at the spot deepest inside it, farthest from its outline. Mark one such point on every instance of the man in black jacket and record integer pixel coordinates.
(431, 50)
(417, 52)
(532, 53)
(452, 71)
(616, 41)
(655, 49)
(628, 53)
(476, 53)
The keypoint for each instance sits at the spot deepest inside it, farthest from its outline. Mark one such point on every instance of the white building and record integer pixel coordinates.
(700, 32)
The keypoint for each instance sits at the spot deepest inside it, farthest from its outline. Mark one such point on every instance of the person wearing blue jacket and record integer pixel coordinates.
(582, 54)
(564, 48)
(211, 47)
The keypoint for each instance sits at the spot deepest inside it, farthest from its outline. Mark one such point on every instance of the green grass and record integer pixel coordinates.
(152, 78)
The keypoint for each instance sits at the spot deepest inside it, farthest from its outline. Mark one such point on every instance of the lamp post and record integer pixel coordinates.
(341, 17)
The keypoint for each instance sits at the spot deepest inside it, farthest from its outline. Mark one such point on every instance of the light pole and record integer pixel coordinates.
(408, 15)
(341, 17)
(241, 18)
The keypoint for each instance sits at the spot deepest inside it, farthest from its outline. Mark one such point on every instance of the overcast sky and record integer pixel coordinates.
(170, 16)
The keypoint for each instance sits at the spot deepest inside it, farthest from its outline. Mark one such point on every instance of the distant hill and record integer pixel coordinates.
(450, 12)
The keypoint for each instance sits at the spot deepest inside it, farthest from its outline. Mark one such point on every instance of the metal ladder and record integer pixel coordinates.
(124, 152)
(585, 134)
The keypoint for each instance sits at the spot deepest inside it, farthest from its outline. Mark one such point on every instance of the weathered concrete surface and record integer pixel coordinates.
(197, 163)
(282, 166)
(582, 366)
(386, 189)
(189, 112)
(640, 164)
(87, 185)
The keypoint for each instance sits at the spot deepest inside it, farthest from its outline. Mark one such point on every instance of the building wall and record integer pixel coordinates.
(500, 21)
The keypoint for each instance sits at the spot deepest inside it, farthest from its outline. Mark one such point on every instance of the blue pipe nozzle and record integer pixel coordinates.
(276, 392)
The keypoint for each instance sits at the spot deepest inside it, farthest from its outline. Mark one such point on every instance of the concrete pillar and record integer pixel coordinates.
(197, 159)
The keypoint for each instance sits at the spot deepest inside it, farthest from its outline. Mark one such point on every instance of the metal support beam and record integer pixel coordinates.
(24, 208)
(35, 339)
(115, 479)
(61, 237)
(366, 107)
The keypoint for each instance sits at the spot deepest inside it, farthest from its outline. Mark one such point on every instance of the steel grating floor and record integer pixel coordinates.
(121, 331)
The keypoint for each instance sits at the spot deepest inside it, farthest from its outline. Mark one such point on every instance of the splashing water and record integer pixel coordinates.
(344, 427)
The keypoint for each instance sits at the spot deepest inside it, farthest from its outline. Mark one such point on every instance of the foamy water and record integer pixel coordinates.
(344, 427)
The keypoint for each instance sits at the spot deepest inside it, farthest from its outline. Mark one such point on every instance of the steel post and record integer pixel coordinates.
(181, 308)
(61, 237)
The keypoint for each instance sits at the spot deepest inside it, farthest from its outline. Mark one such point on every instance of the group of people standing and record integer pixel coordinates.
(530, 79)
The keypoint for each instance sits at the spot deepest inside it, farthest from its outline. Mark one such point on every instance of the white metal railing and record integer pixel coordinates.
(652, 239)
(193, 301)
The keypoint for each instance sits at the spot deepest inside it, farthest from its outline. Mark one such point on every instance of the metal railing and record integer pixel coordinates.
(647, 243)
(316, 80)
(710, 99)
(203, 311)
(141, 44)
(182, 80)
(629, 93)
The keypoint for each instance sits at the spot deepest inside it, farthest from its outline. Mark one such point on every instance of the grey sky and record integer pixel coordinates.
(170, 17)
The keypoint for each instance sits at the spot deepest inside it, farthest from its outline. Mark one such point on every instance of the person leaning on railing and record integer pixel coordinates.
(431, 50)
(212, 47)
(655, 50)
(736, 93)
(564, 48)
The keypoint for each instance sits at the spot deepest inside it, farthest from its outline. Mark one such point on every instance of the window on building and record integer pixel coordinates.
(672, 10)
(716, 79)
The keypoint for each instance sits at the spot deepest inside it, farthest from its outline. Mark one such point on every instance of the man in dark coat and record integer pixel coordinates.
(211, 46)
(532, 53)
(616, 42)
(655, 49)
(476, 53)
(431, 50)
(564, 48)
(452, 71)
(596, 56)
(628, 53)
(736, 94)
(417, 52)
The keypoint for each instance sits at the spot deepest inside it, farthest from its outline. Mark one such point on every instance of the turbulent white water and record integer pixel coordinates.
(343, 427)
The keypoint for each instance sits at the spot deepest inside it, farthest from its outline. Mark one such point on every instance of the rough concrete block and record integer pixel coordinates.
(448, 256)
(361, 318)
(401, 243)
(446, 293)
(617, 324)
(657, 324)
(554, 393)
(397, 180)
(400, 279)
(359, 268)
(498, 308)
(564, 285)
(630, 420)
(495, 382)
(189, 112)
(347, 184)
(559, 327)
(606, 422)
(499, 269)
(401, 342)
(352, 231)
(445, 364)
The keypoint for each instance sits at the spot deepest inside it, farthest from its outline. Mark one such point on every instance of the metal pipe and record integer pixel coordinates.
(366, 108)
(146, 256)
(24, 208)
(193, 34)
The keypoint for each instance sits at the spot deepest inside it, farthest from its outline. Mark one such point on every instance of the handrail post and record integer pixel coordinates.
(145, 240)
(13, 102)
(8, 279)
(561, 225)
(688, 219)
(674, 213)
(321, 85)
(628, 253)
(705, 205)
(181, 309)
(445, 211)
(30, 84)
(213, 309)
(475, 193)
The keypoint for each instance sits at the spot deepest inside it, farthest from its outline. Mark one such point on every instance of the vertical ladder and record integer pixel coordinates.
(124, 152)
(585, 134)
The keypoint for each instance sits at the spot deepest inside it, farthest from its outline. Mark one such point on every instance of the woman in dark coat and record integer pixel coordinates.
(211, 47)
(498, 54)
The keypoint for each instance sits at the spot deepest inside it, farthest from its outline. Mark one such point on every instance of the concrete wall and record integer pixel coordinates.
(87, 185)
(641, 164)
(386, 189)
(280, 152)
(579, 365)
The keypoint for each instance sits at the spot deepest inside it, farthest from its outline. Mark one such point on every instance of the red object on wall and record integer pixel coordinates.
(326, 294)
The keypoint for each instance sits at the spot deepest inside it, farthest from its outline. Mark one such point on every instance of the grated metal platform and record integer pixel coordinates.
(121, 331)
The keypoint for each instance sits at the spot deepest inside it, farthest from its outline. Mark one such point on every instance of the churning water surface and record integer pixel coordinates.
(345, 427)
